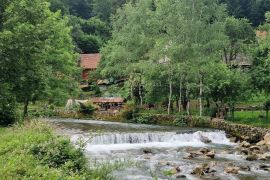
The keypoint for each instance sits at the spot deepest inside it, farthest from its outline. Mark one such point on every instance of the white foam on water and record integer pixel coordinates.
(125, 141)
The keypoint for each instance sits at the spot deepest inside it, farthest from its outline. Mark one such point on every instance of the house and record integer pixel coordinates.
(89, 62)
(108, 103)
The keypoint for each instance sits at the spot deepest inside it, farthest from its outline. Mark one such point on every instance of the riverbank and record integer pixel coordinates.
(33, 151)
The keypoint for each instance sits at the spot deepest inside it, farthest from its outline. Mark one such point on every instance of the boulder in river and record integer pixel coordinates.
(244, 152)
(210, 154)
(147, 151)
(201, 170)
(261, 143)
(204, 150)
(265, 167)
(252, 157)
(233, 139)
(265, 156)
(245, 144)
(232, 170)
(205, 139)
(190, 156)
(244, 168)
(267, 140)
(255, 148)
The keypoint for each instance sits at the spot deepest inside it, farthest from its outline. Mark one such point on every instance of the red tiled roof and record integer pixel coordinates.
(90, 61)
(107, 100)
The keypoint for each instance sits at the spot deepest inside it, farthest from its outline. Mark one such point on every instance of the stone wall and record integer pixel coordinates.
(244, 132)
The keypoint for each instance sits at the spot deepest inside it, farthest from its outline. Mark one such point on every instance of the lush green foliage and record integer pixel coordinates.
(8, 113)
(33, 151)
(87, 108)
(254, 118)
(37, 53)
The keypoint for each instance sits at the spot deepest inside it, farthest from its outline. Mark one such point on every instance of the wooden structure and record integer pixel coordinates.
(108, 103)
(89, 62)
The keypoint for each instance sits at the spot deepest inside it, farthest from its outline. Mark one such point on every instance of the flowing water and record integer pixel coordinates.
(158, 150)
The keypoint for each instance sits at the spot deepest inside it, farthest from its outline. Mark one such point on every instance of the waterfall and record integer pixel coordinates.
(124, 141)
(138, 138)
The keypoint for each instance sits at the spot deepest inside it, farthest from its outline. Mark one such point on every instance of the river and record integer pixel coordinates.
(160, 152)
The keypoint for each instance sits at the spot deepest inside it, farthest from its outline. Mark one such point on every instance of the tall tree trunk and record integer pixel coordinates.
(200, 98)
(180, 95)
(140, 94)
(170, 97)
(188, 102)
(25, 109)
(131, 87)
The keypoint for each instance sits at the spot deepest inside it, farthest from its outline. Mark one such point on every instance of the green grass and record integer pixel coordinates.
(254, 118)
(32, 151)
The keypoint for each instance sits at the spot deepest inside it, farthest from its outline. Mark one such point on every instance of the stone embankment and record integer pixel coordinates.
(242, 132)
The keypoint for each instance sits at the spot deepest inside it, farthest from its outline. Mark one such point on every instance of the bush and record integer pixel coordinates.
(42, 112)
(180, 120)
(87, 108)
(145, 119)
(7, 108)
(59, 153)
(128, 112)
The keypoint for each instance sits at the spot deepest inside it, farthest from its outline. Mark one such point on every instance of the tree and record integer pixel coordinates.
(37, 51)
(104, 9)
(260, 72)
(225, 86)
(240, 35)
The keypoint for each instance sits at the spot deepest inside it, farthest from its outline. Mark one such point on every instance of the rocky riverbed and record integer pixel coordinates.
(162, 152)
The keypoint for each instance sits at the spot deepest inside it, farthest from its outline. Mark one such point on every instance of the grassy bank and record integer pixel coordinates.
(32, 151)
(253, 118)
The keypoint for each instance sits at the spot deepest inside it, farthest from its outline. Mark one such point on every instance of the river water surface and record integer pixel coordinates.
(158, 151)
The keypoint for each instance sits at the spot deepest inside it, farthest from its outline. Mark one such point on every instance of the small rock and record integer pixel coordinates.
(255, 148)
(245, 144)
(245, 168)
(233, 139)
(211, 154)
(261, 143)
(201, 170)
(244, 152)
(178, 169)
(205, 139)
(265, 156)
(232, 170)
(147, 150)
(181, 176)
(252, 157)
(264, 166)
(190, 156)
(267, 137)
(204, 150)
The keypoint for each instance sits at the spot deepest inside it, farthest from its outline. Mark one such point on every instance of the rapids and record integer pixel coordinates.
(157, 149)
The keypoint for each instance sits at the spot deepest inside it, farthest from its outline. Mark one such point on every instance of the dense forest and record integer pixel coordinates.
(169, 52)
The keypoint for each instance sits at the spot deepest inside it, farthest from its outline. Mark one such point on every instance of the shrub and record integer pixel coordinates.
(145, 119)
(128, 112)
(7, 108)
(59, 153)
(47, 111)
(88, 108)
(180, 120)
